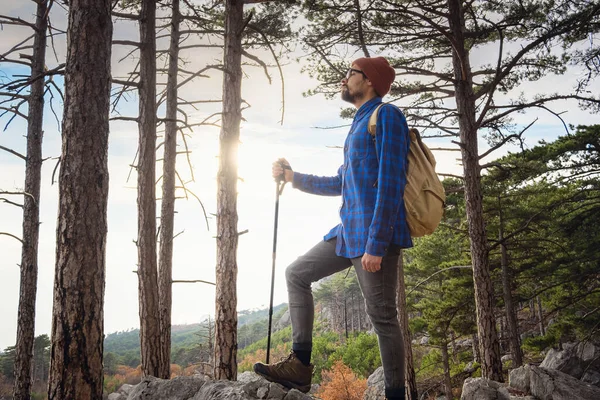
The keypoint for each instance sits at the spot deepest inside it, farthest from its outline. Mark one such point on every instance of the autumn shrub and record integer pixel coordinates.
(176, 370)
(113, 382)
(340, 383)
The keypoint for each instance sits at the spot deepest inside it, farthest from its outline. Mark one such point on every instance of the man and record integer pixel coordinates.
(373, 228)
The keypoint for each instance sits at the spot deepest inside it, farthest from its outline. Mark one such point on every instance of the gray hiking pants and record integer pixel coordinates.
(378, 289)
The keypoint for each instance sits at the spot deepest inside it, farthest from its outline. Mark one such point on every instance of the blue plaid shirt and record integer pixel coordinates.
(372, 211)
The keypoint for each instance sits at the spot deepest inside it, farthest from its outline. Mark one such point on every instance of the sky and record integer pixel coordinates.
(303, 219)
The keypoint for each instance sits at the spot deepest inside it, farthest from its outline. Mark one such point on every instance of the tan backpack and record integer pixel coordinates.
(424, 194)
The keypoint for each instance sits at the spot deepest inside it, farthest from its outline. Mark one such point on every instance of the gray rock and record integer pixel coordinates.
(469, 367)
(221, 390)
(548, 384)
(253, 383)
(262, 392)
(522, 398)
(483, 389)
(296, 395)
(424, 341)
(588, 353)
(285, 320)
(591, 377)
(375, 386)
(518, 378)
(126, 389)
(565, 361)
(276, 391)
(505, 358)
(179, 388)
(117, 396)
(464, 343)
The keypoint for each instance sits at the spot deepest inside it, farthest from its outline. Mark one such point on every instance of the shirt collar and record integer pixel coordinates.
(367, 108)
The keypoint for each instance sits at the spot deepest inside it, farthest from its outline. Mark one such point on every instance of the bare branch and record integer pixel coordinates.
(125, 83)
(194, 281)
(199, 201)
(5, 19)
(133, 17)
(13, 152)
(12, 236)
(2, 199)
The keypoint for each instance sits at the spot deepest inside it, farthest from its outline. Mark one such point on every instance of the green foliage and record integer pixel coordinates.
(7, 362)
(324, 346)
(360, 353)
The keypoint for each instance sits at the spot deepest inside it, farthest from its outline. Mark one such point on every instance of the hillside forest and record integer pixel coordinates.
(511, 272)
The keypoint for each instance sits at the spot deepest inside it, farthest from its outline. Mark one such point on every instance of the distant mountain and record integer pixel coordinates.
(182, 336)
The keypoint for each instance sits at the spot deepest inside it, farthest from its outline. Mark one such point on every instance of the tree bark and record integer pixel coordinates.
(78, 316)
(511, 316)
(152, 360)
(31, 214)
(227, 218)
(409, 368)
(491, 365)
(167, 216)
(446, 363)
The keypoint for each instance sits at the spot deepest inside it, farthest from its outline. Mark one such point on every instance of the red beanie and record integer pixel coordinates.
(379, 72)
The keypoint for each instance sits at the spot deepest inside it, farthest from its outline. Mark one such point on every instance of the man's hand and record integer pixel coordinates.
(371, 263)
(278, 170)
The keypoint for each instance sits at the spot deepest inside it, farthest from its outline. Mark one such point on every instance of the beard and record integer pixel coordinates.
(350, 97)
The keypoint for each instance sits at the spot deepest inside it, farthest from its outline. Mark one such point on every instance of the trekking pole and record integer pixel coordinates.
(280, 183)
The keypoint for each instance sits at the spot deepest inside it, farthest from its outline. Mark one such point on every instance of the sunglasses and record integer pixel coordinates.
(352, 71)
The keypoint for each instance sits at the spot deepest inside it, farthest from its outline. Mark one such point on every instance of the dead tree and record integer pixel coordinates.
(227, 217)
(155, 287)
(32, 55)
(31, 212)
(78, 316)
(153, 362)
(167, 215)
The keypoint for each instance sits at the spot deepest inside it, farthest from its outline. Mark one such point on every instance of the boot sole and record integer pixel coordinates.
(288, 384)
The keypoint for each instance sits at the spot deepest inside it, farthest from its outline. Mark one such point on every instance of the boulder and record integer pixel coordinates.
(549, 384)
(483, 389)
(179, 388)
(565, 361)
(506, 358)
(121, 393)
(375, 386)
(591, 377)
(249, 386)
(285, 320)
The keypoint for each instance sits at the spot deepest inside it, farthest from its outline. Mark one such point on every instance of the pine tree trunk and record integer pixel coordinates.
(152, 360)
(31, 214)
(78, 316)
(447, 379)
(167, 216)
(491, 365)
(409, 368)
(227, 218)
(511, 317)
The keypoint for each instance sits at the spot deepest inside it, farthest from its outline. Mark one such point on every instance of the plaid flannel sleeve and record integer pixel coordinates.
(392, 147)
(321, 185)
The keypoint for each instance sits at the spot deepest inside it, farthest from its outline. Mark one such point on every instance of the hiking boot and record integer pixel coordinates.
(290, 372)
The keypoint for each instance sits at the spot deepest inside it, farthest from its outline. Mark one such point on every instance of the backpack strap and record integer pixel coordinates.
(372, 127)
